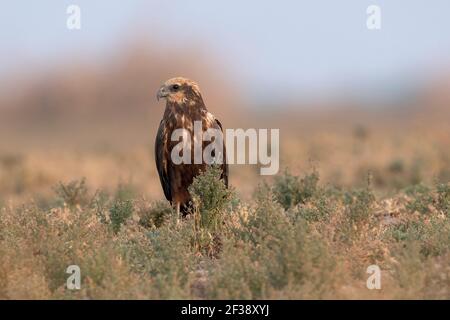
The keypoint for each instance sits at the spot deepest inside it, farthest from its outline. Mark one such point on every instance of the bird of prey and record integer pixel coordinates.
(184, 106)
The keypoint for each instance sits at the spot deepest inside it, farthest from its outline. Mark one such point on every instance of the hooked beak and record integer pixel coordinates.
(162, 93)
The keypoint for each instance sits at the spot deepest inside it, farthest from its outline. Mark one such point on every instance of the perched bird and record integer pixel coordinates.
(184, 105)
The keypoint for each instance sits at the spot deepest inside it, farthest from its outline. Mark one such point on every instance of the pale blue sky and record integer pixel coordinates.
(281, 46)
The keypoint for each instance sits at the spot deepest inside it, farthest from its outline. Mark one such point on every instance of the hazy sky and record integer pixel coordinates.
(305, 46)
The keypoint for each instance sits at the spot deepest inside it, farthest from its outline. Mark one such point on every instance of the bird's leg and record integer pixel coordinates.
(178, 212)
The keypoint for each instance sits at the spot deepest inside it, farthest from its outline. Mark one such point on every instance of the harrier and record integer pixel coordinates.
(184, 106)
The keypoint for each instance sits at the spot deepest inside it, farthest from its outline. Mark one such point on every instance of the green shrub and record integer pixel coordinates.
(432, 235)
(210, 198)
(265, 220)
(359, 205)
(120, 211)
(319, 208)
(422, 199)
(155, 215)
(172, 260)
(269, 254)
(418, 277)
(358, 209)
(290, 190)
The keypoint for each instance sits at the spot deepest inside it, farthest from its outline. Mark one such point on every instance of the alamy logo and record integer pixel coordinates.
(258, 147)
(74, 19)
(74, 280)
(374, 280)
(373, 21)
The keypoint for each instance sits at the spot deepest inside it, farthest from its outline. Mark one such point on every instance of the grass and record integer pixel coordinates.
(295, 239)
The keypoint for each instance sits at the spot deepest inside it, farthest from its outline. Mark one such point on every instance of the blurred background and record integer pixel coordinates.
(348, 101)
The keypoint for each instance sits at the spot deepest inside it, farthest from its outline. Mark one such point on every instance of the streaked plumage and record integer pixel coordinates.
(184, 105)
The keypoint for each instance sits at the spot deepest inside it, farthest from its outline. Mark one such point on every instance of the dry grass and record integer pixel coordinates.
(318, 247)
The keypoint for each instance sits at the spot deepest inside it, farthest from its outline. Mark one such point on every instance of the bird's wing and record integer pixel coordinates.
(161, 154)
(225, 163)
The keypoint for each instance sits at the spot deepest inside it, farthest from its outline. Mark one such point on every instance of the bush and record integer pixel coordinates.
(290, 190)
(359, 205)
(119, 213)
(254, 249)
(155, 215)
(357, 216)
(418, 276)
(210, 198)
(268, 254)
(319, 208)
(73, 193)
(422, 199)
(431, 235)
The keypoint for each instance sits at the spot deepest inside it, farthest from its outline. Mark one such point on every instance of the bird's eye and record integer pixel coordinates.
(176, 87)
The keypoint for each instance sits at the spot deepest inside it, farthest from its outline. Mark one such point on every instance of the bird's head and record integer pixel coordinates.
(180, 91)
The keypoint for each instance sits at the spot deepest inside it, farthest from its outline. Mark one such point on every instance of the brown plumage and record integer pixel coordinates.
(184, 105)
